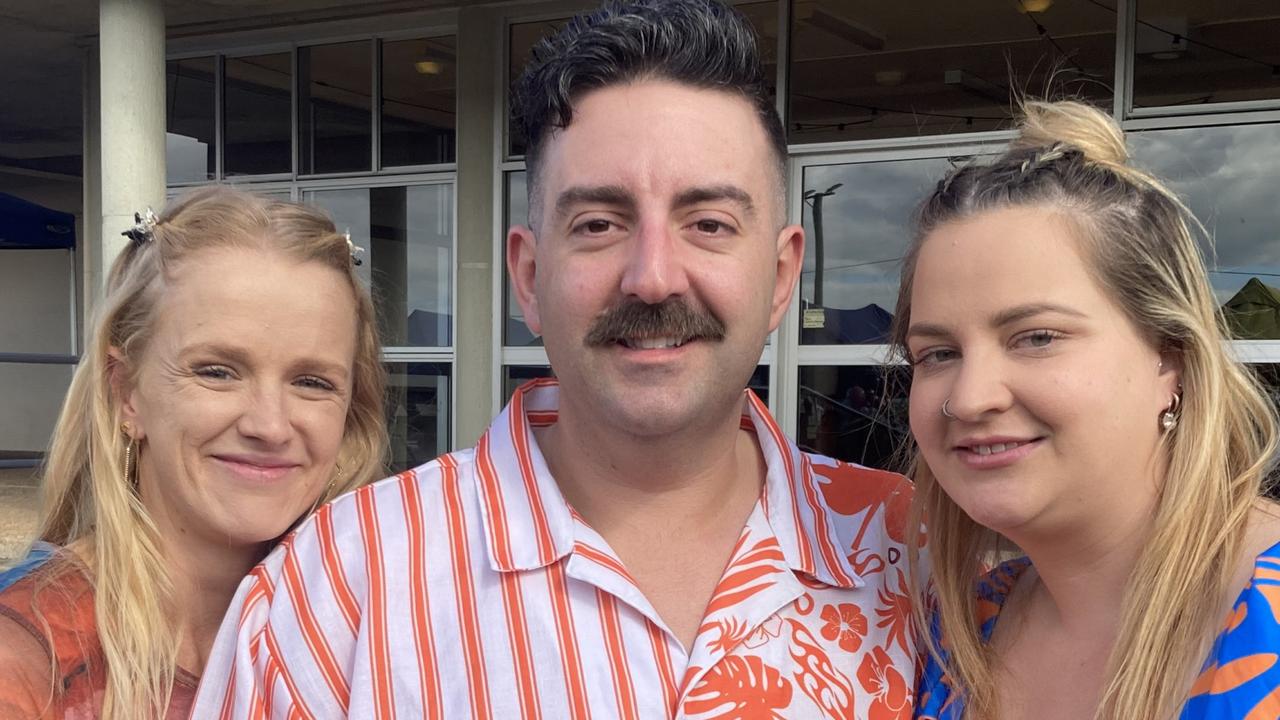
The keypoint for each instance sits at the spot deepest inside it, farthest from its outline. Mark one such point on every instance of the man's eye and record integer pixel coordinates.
(711, 227)
(596, 227)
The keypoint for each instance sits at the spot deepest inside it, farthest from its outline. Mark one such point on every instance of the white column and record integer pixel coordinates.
(479, 49)
(132, 115)
(89, 250)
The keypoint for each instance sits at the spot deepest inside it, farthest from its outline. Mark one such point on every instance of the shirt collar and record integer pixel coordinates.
(529, 524)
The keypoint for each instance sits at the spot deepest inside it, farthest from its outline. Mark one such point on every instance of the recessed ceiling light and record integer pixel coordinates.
(1034, 6)
(889, 78)
(427, 67)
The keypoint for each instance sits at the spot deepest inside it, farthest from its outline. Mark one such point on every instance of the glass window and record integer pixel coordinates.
(190, 143)
(858, 222)
(407, 235)
(1188, 52)
(419, 101)
(513, 376)
(257, 107)
(515, 332)
(864, 69)
(855, 413)
(523, 36)
(763, 17)
(1227, 176)
(417, 412)
(335, 108)
(759, 383)
(273, 194)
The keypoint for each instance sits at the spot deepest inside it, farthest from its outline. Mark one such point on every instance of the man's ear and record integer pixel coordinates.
(522, 268)
(790, 260)
(120, 382)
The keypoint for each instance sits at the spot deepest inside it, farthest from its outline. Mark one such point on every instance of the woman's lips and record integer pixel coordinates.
(995, 453)
(259, 470)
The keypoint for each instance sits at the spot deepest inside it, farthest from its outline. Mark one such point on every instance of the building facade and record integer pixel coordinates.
(393, 116)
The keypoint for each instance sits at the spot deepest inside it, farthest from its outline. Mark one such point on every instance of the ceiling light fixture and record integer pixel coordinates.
(1034, 6)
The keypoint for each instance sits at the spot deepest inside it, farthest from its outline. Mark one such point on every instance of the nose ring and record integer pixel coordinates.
(946, 413)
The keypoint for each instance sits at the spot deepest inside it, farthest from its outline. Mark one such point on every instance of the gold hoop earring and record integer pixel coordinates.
(328, 489)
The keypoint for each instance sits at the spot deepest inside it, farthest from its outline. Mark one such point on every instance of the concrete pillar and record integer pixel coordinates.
(479, 51)
(89, 251)
(132, 118)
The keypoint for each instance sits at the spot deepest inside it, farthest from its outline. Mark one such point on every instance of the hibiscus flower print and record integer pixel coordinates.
(844, 624)
(894, 611)
(878, 676)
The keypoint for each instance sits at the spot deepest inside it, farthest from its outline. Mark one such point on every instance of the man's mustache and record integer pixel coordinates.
(635, 319)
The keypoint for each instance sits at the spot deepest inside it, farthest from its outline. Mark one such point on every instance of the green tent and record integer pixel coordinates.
(1253, 313)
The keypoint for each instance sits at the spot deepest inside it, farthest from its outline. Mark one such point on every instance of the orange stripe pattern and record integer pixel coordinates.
(468, 587)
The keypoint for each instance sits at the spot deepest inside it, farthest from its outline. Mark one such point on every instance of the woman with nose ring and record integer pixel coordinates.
(231, 384)
(1090, 459)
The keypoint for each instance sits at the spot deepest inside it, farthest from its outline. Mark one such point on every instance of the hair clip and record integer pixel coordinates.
(144, 226)
(357, 253)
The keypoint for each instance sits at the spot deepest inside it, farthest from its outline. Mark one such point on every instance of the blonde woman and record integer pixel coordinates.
(1073, 401)
(231, 384)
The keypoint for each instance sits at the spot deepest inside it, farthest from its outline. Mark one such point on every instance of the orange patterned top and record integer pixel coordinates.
(49, 640)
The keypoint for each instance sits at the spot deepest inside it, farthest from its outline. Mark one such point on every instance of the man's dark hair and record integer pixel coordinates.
(700, 43)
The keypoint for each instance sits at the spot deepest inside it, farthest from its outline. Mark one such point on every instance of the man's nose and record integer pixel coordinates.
(655, 268)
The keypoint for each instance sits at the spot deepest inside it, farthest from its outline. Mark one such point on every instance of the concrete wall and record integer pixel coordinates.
(37, 309)
(19, 498)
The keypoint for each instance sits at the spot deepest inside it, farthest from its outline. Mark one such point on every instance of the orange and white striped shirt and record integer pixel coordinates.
(469, 588)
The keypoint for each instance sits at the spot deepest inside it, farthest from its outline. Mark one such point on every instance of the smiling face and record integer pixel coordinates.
(1055, 395)
(658, 268)
(241, 395)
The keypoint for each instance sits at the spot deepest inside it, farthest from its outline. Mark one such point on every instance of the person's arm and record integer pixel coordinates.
(26, 671)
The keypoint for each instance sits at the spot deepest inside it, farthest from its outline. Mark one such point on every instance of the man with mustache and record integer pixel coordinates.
(637, 538)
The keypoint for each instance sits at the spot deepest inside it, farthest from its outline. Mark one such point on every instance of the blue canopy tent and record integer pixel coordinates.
(28, 226)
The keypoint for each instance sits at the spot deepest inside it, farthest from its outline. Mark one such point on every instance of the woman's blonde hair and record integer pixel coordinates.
(86, 496)
(1139, 241)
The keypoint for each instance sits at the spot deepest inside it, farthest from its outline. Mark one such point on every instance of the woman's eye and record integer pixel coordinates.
(311, 381)
(934, 356)
(214, 372)
(1037, 339)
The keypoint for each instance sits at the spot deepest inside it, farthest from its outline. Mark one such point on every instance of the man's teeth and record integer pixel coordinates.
(997, 448)
(656, 343)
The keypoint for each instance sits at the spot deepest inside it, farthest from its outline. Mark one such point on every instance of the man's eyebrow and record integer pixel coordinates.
(1022, 312)
(712, 193)
(597, 194)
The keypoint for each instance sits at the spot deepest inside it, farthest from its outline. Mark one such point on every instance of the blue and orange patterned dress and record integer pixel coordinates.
(1240, 680)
